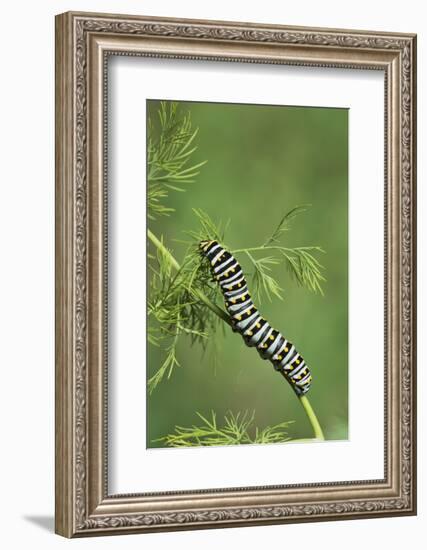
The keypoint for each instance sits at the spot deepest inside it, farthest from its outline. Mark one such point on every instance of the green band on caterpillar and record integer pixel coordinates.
(247, 321)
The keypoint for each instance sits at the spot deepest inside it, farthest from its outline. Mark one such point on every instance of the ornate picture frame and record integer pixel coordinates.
(84, 42)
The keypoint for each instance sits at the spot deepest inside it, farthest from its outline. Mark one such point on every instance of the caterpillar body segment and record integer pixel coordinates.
(248, 322)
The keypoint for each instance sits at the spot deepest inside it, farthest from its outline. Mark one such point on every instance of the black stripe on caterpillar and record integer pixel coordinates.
(247, 321)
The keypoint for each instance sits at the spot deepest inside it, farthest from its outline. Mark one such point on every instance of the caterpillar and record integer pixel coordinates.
(247, 321)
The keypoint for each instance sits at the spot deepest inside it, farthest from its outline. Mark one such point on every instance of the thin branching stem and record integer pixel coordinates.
(224, 316)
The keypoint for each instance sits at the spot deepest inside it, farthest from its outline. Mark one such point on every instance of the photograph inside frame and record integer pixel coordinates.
(247, 274)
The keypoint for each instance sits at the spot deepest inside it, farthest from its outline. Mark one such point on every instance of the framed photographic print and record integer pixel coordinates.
(235, 274)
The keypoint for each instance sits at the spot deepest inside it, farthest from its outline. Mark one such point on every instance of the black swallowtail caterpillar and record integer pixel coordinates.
(247, 321)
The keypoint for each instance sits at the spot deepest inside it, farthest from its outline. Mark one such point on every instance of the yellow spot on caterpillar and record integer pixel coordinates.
(279, 357)
(286, 349)
(249, 333)
(297, 361)
(233, 301)
(258, 325)
(238, 317)
(233, 270)
(271, 337)
(239, 285)
(243, 298)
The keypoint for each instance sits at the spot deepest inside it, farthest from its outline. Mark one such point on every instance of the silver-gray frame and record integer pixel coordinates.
(83, 43)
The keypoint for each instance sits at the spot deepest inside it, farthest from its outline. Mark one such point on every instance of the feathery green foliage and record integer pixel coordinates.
(175, 305)
(238, 429)
(300, 261)
(169, 156)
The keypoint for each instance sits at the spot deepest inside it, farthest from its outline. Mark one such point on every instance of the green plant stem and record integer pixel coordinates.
(318, 433)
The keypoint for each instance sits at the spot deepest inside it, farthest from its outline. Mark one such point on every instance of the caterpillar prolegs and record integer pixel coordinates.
(247, 321)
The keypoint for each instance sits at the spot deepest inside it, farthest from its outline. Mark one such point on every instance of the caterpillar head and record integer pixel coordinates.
(205, 245)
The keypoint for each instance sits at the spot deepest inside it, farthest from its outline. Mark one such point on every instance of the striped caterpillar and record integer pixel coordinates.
(247, 321)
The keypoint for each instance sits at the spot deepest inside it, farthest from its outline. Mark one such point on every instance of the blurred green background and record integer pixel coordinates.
(263, 161)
